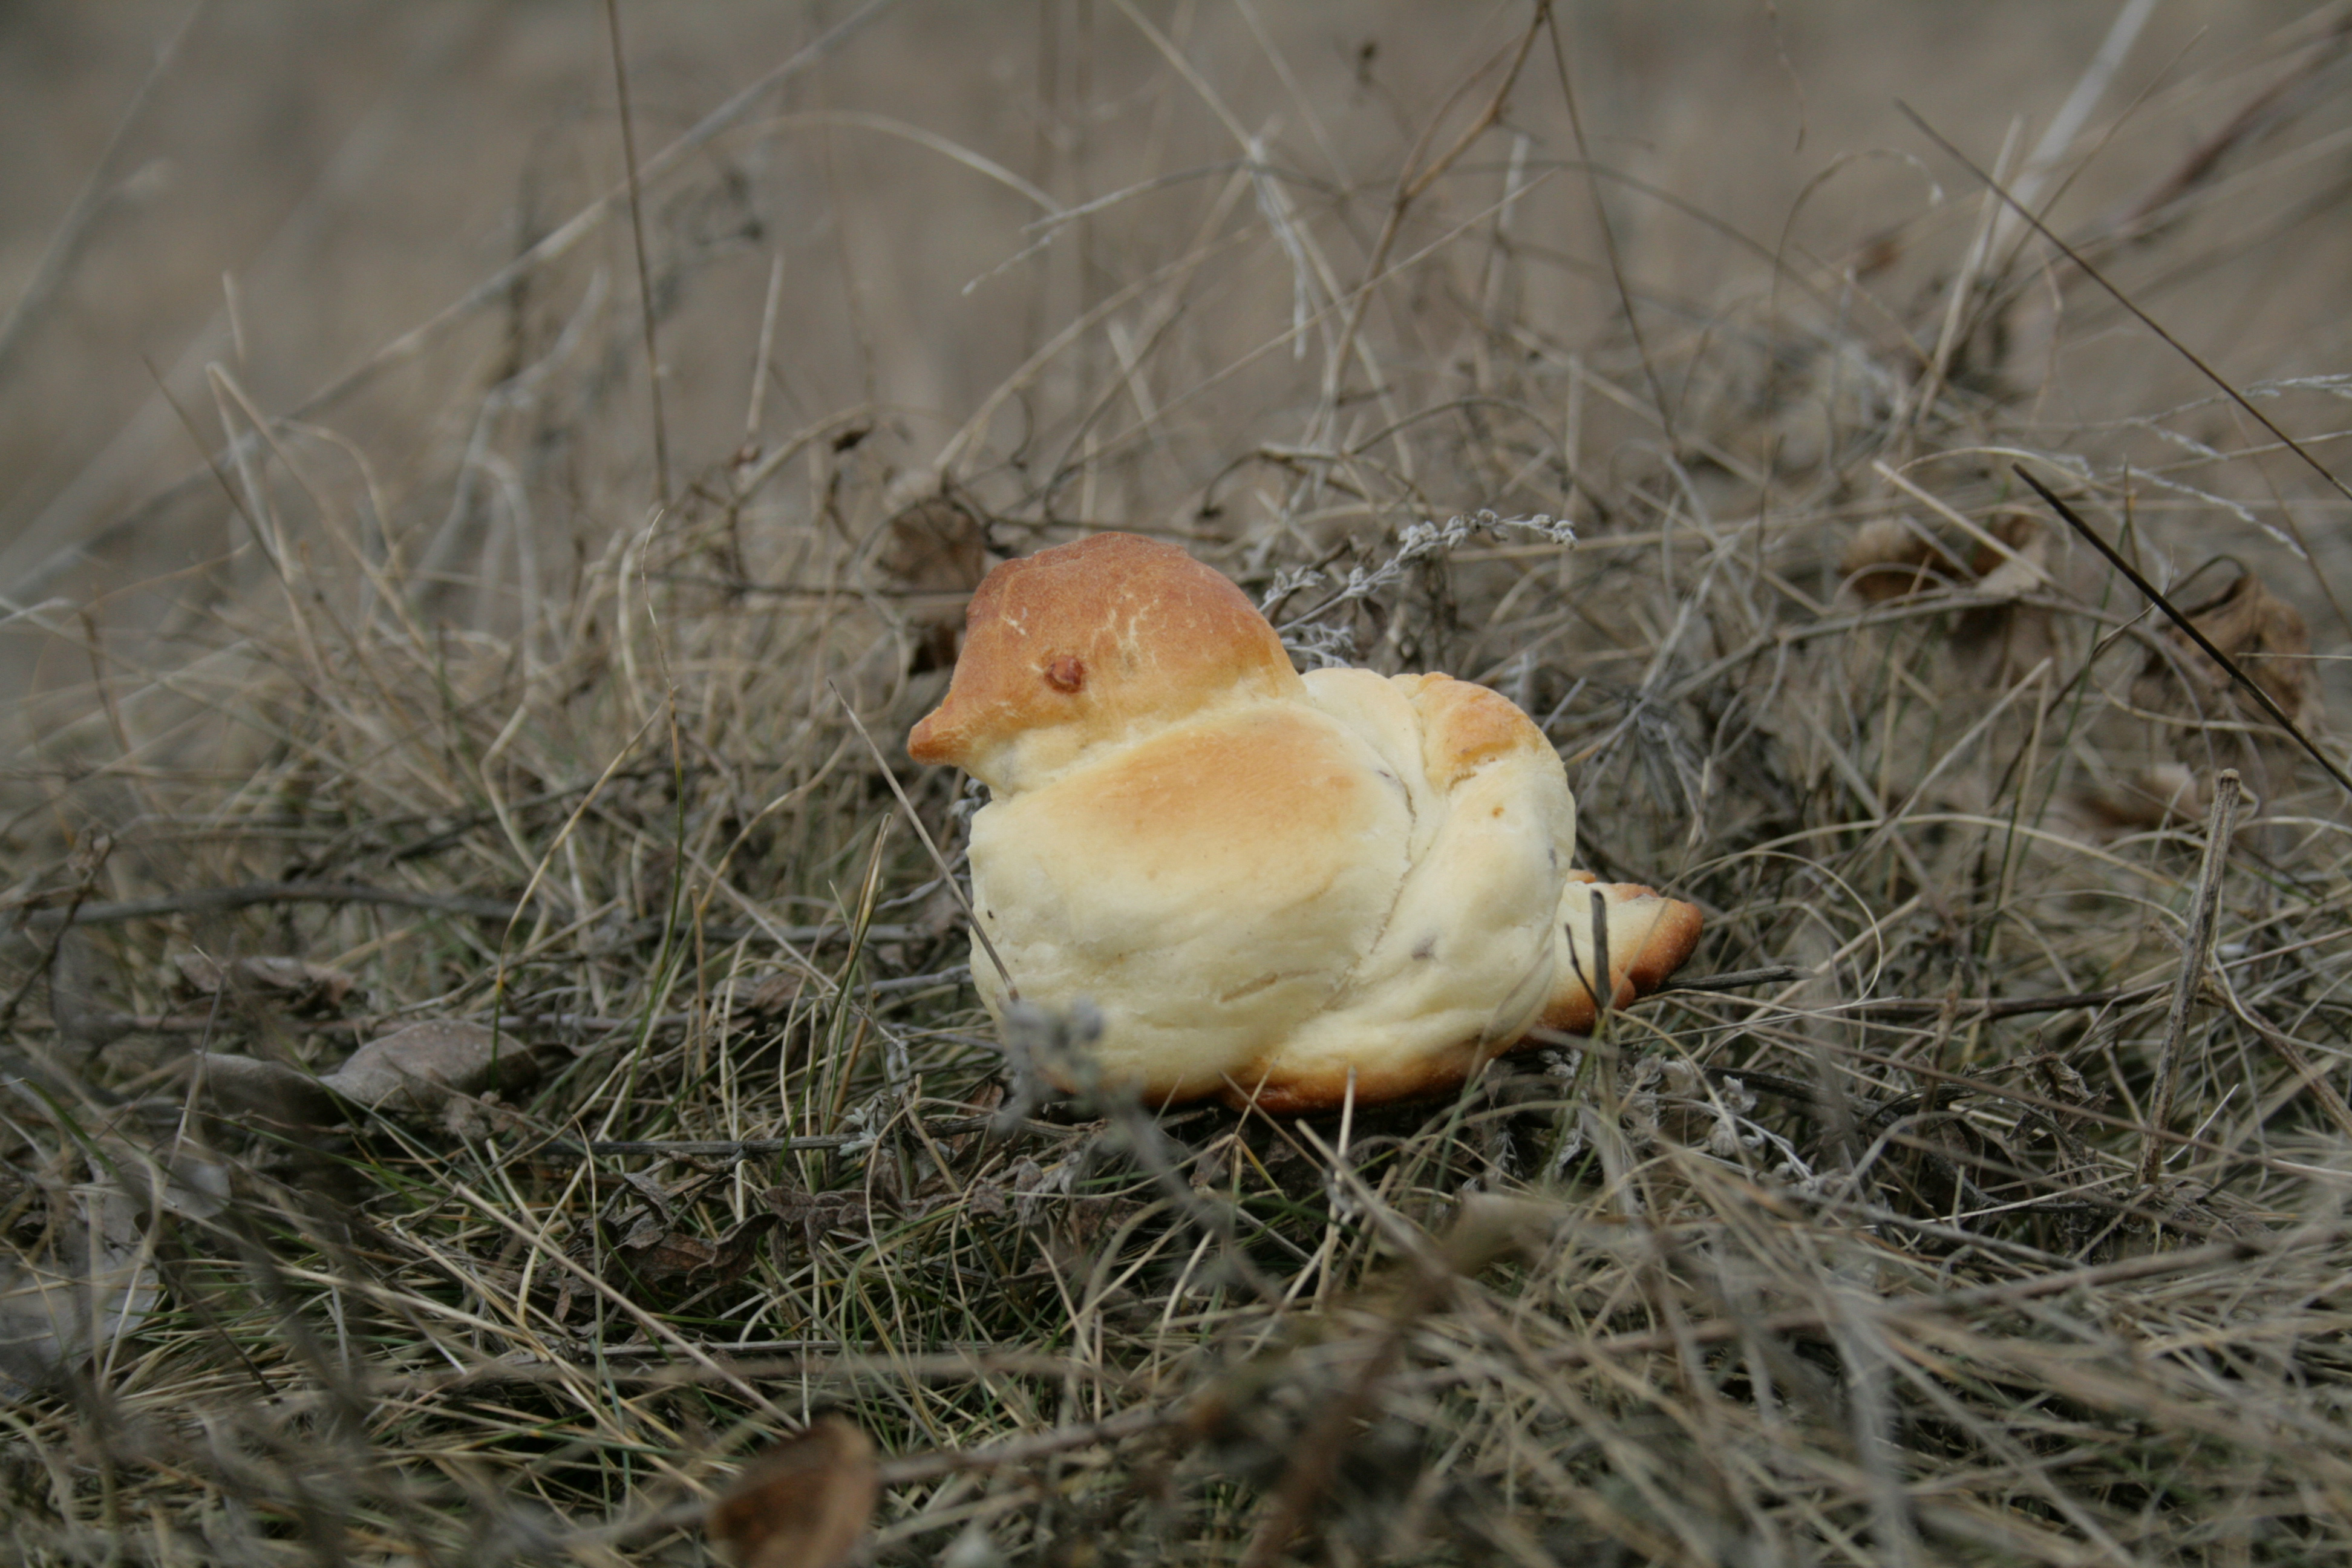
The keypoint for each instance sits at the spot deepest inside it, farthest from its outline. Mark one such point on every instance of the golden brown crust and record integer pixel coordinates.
(1436, 1073)
(1082, 641)
(1464, 726)
(1671, 941)
(1651, 936)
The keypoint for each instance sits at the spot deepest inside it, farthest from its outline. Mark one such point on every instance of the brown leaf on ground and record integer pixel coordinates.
(769, 996)
(658, 1253)
(935, 544)
(2262, 633)
(420, 1070)
(805, 1503)
(817, 1212)
(1891, 559)
(2026, 565)
(297, 985)
(96, 1281)
(936, 550)
(265, 1094)
(419, 1067)
(87, 1022)
(1490, 1227)
(2166, 793)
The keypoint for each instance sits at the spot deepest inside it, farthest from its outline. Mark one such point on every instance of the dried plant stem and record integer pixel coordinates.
(42, 967)
(2218, 828)
(638, 237)
(1838, 1253)
(2296, 1054)
(2228, 389)
(1012, 991)
(1415, 179)
(91, 201)
(2189, 628)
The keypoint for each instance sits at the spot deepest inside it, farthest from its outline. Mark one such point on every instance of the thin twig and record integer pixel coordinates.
(1012, 992)
(746, 1148)
(637, 235)
(2219, 825)
(1731, 980)
(221, 900)
(498, 286)
(1967, 1009)
(2153, 325)
(1546, 15)
(90, 201)
(1927, 1308)
(2314, 1078)
(1411, 184)
(99, 848)
(2172, 612)
(2255, 118)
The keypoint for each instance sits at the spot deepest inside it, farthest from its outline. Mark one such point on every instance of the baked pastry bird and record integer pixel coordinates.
(1265, 880)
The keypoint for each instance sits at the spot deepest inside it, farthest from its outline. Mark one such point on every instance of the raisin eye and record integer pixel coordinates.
(1065, 674)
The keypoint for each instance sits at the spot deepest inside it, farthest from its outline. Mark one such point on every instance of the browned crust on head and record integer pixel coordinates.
(1097, 634)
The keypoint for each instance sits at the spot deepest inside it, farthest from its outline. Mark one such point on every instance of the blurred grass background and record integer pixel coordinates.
(355, 621)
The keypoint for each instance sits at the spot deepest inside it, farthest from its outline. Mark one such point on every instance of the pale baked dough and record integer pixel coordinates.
(1264, 880)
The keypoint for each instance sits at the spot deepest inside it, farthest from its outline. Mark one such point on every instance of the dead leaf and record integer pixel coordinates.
(271, 1095)
(86, 1023)
(1491, 1227)
(2027, 564)
(2260, 632)
(805, 1503)
(769, 996)
(658, 1253)
(1032, 1185)
(817, 1212)
(2153, 797)
(418, 1068)
(1890, 559)
(2011, 636)
(96, 1284)
(935, 544)
(292, 982)
(935, 550)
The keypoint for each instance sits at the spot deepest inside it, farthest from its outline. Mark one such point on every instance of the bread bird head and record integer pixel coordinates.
(1087, 644)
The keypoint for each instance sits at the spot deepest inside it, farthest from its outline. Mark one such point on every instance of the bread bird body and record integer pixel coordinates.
(1267, 882)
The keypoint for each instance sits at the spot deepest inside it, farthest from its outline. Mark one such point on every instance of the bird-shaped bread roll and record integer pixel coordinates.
(1264, 881)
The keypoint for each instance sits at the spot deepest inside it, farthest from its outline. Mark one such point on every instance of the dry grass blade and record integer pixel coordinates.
(480, 1064)
(947, 872)
(2325, 474)
(638, 244)
(2196, 943)
(73, 230)
(2190, 629)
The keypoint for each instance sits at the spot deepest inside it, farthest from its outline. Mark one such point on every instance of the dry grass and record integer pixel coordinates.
(1857, 1260)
